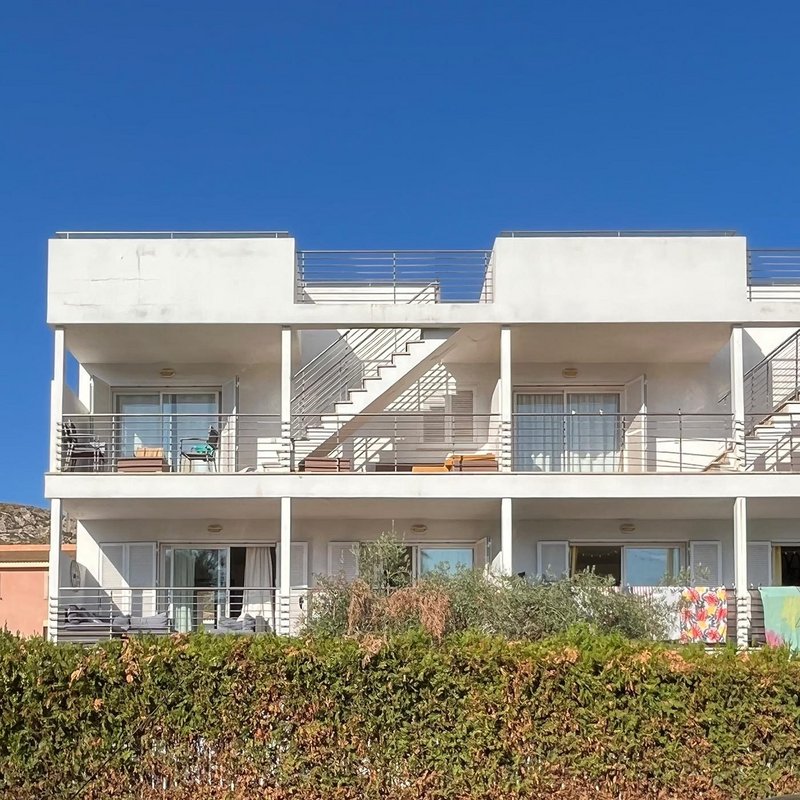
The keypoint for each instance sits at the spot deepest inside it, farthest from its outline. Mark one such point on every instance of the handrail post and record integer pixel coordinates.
(394, 278)
(680, 441)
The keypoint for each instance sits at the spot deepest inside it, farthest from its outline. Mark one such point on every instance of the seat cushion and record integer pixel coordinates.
(153, 622)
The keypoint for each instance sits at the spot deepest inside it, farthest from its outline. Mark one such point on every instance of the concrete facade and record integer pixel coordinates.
(663, 323)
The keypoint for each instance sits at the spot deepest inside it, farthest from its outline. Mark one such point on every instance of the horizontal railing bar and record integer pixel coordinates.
(170, 234)
(616, 233)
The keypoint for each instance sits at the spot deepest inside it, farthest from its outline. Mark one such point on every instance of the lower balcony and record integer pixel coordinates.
(88, 615)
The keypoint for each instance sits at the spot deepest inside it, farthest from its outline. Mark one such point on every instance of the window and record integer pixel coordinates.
(567, 432)
(631, 565)
(445, 559)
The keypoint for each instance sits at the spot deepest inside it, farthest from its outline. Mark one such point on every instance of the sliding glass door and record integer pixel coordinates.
(567, 432)
(158, 421)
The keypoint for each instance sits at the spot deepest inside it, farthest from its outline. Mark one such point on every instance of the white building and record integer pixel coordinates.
(564, 400)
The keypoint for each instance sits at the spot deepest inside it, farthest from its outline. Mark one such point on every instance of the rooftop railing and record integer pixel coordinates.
(394, 276)
(171, 234)
(773, 274)
(612, 233)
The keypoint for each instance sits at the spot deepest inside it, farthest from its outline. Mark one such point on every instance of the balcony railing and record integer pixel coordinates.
(394, 276)
(426, 442)
(402, 442)
(773, 274)
(629, 443)
(139, 443)
(90, 614)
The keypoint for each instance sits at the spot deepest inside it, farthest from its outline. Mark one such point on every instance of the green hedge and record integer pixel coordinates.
(470, 717)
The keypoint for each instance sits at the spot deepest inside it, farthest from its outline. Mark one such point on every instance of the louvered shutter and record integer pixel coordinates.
(433, 424)
(759, 564)
(553, 559)
(706, 563)
(141, 574)
(461, 407)
(343, 559)
(112, 566)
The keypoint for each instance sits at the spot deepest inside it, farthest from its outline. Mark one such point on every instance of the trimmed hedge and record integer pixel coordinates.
(574, 717)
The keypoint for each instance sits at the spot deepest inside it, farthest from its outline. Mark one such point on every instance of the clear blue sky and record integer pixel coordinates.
(377, 124)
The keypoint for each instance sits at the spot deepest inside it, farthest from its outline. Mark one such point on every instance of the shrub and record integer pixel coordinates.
(471, 601)
(471, 717)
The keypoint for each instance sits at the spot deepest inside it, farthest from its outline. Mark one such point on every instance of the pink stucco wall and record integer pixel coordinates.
(23, 604)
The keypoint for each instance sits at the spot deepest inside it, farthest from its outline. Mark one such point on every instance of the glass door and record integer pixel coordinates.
(138, 424)
(189, 417)
(160, 423)
(198, 578)
(592, 432)
(567, 432)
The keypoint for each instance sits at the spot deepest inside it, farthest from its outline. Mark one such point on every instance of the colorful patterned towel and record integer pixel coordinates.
(782, 615)
(704, 615)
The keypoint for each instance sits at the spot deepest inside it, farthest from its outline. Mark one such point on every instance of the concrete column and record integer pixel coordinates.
(740, 572)
(737, 398)
(286, 392)
(506, 399)
(507, 536)
(57, 394)
(53, 569)
(285, 568)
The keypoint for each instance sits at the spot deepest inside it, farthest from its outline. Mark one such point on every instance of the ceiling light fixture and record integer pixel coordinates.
(167, 372)
(419, 528)
(214, 528)
(569, 372)
(627, 527)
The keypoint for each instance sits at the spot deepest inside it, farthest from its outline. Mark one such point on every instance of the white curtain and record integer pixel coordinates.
(182, 597)
(593, 432)
(258, 583)
(538, 436)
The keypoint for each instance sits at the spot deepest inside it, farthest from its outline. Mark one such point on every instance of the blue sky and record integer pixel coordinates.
(377, 124)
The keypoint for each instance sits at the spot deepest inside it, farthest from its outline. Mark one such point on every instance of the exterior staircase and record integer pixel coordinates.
(773, 444)
(360, 373)
(772, 414)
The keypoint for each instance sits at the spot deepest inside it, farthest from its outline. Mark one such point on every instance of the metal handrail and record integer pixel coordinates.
(773, 381)
(613, 233)
(171, 234)
(390, 276)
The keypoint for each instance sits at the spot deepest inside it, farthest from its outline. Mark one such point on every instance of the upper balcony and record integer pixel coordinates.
(527, 277)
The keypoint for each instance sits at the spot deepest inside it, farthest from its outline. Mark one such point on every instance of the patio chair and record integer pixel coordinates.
(80, 450)
(194, 448)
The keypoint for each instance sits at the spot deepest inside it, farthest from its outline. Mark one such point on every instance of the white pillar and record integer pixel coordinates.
(285, 568)
(57, 394)
(53, 568)
(737, 397)
(740, 572)
(506, 536)
(506, 399)
(286, 391)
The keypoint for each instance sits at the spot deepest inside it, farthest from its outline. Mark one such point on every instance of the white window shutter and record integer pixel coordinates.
(141, 568)
(343, 559)
(481, 557)
(433, 424)
(634, 406)
(299, 565)
(112, 566)
(461, 407)
(706, 558)
(553, 559)
(759, 564)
